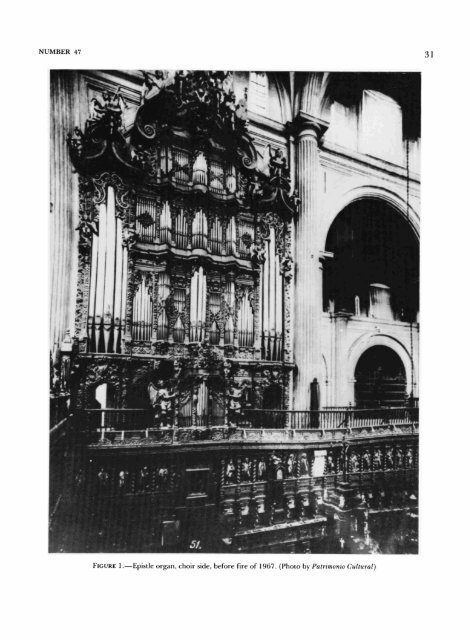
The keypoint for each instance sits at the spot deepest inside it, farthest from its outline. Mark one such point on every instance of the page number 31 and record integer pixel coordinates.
(429, 54)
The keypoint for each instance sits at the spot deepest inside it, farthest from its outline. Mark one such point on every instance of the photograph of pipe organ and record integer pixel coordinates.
(234, 317)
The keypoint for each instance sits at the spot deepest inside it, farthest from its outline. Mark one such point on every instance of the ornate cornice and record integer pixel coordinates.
(201, 103)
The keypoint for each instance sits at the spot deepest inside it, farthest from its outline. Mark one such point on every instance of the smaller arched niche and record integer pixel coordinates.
(380, 379)
(105, 396)
(272, 397)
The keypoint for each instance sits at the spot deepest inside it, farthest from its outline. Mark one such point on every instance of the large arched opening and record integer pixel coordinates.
(380, 379)
(373, 265)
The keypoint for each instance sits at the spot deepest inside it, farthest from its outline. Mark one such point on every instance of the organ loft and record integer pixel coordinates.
(234, 308)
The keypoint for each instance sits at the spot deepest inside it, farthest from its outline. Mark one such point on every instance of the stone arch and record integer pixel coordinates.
(369, 192)
(283, 96)
(313, 99)
(365, 342)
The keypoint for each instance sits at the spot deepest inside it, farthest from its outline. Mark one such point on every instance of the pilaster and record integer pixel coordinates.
(63, 205)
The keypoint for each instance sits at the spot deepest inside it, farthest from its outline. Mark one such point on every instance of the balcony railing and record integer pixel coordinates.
(331, 419)
(327, 419)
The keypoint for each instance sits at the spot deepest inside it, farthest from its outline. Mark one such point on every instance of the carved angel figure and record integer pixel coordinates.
(258, 255)
(303, 465)
(235, 395)
(87, 226)
(399, 458)
(277, 163)
(378, 459)
(162, 400)
(129, 237)
(277, 465)
(330, 463)
(230, 472)
(354, 462)
(245, 470)
(155, 82)
(290, 465)
(409, 457)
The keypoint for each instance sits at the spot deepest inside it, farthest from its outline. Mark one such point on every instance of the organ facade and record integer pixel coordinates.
(232, 253)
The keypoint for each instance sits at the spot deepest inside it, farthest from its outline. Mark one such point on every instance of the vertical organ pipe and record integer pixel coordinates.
(124, 286)
(118, 290)
(99, 308)
(109, 268)
(92, 296)
(110, 253)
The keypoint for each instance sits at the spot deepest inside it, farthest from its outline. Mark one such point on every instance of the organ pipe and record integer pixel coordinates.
(198, 305)
(108, 281)
(165, 223)
(231, 237)
(202, 400)
(231, 181)
(118, 286)
(199, 231)
(142, 312)
(271, 295)
(245, 323)
(92, 295)
(228, 333)
(216, 237)
(200, 170)
(163, 293)
(147, 207)
(181, 230)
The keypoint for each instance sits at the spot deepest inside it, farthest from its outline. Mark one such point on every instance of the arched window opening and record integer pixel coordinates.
(380, 379)
(105, 397)
(374, 269)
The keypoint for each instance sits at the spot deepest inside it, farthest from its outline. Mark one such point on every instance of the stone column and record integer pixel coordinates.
(308, 285)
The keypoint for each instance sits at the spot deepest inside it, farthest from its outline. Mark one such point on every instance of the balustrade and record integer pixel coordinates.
(253, 424)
